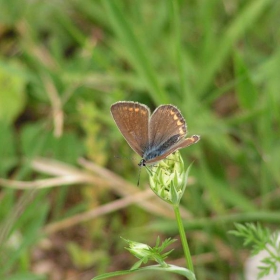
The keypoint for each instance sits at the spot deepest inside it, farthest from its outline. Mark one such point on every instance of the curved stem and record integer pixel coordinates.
(183, 238)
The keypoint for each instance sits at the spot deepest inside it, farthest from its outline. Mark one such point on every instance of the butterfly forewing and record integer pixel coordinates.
(169, 119)
(132, 120)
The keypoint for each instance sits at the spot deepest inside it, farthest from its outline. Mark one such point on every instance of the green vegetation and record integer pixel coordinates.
(68, 178)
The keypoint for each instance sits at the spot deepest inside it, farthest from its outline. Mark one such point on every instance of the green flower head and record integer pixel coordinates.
(168, 179)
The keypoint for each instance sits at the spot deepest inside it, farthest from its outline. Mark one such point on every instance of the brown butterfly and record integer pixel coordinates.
(153, 137)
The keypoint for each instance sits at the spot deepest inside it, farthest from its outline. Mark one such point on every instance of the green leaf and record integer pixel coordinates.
(135, 50)
(7, 148)
(246, 91)
(243, 22)
(171, 268)
(12, 95)
(175, 199)
(23, 230)
(137, 264)
(37, 141)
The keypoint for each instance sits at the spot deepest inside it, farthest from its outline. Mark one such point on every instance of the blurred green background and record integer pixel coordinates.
(62, 65)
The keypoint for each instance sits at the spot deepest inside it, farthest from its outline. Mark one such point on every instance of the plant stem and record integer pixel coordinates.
(183, 238)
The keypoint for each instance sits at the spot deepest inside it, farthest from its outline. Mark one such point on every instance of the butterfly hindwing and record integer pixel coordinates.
(166, 124)
(183, 143)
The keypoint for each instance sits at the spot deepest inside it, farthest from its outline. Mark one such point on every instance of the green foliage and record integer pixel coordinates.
(63, 65)
(171, 269)
(245, 89)
(12, 94)
(7, 149)
(261, 239)
(146, 253)
(20, 231)
(84, 258)
(168, 179)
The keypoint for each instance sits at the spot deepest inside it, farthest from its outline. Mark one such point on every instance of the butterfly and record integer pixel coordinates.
(152, 137)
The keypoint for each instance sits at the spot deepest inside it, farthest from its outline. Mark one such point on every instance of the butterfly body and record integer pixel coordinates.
(156, 151)
(155, 136)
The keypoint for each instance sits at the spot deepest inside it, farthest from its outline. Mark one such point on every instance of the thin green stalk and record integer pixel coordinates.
(183, 238)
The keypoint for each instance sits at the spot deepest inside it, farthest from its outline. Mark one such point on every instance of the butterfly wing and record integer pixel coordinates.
(167, 132)
(166, 122)
(181, 144)
(132, 119)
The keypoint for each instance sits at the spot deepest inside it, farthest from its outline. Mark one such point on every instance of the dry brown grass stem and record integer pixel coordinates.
(95, 175)
(99, 211)
(56, 104)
